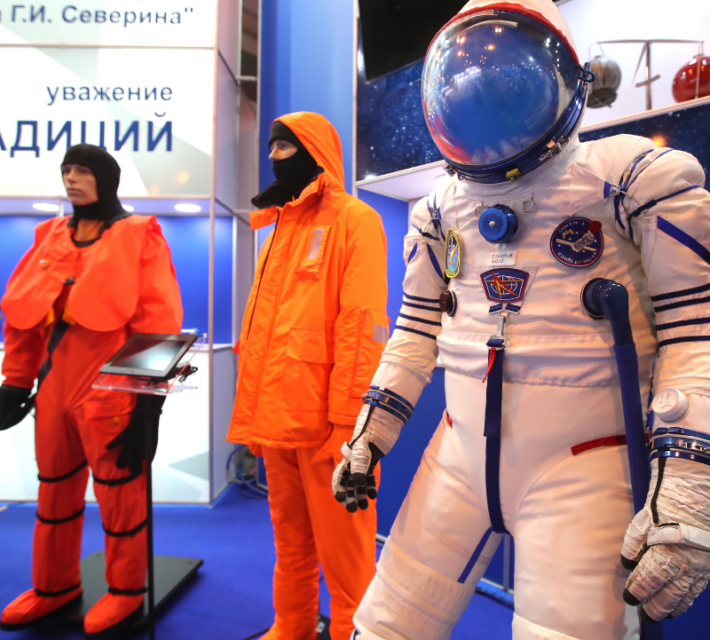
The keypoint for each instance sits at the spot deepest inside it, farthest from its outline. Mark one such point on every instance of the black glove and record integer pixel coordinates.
(354, 489)
(132, 439)
(13, 405)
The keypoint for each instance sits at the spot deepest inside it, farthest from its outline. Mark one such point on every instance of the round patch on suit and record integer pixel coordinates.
(578, 242)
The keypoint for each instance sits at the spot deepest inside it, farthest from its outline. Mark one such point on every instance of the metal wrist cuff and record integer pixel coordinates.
(680, 431)
(682, 455)
(389, 401)
(679, 443)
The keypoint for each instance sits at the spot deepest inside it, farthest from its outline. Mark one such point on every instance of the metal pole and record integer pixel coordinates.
(697, 71)
(648, 76)
(506, 562)
(149, 536)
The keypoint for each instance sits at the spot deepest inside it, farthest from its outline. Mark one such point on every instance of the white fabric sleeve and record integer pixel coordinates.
(666, 212)
(411, 353)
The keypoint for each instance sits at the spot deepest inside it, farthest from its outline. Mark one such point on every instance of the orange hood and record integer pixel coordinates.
(321, 140)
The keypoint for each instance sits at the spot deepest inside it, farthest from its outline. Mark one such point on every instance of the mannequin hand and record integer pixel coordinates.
(670, 561)
(131, 440)
(13, 407)
(375, 433)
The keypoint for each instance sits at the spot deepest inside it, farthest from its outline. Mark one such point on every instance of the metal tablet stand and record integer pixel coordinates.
(152, 387)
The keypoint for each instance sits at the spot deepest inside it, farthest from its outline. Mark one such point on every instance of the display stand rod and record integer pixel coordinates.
(149, 532)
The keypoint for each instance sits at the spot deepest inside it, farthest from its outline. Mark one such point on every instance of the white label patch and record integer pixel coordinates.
(380, 334)
(501, 258)
(315, 244)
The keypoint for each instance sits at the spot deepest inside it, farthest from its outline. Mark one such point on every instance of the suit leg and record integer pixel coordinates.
(439, 547)
(296, 573)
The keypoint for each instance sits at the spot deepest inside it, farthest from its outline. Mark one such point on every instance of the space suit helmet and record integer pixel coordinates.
(502, 88)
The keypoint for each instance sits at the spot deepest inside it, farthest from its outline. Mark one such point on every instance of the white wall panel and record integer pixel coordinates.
(595, 20)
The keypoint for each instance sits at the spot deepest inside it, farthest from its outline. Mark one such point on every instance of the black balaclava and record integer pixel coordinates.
(292, 175)
(107, 174)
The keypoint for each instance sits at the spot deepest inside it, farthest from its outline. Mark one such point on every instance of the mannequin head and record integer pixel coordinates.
(91, 176)
(80, 183)
(294, 168)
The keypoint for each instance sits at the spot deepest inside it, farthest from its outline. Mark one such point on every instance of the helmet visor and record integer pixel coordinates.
(494, 84)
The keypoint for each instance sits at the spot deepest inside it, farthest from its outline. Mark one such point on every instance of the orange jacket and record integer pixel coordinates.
(126, 278)
(315, 323)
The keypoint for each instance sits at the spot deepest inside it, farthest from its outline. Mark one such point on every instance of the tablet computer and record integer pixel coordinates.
(149, 355)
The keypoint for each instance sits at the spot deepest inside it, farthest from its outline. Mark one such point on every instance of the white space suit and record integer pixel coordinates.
(562, 474)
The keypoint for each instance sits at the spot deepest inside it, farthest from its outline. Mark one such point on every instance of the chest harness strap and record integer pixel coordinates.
(493, 424)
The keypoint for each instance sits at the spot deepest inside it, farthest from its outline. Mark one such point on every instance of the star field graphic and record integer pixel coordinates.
(392, 134)
(391, 131)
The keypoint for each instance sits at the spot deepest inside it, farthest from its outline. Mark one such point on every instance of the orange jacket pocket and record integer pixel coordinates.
(308, 362)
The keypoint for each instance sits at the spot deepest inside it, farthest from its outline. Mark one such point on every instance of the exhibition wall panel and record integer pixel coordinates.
(188, 238)
(635, 19)
(307, 62)
(395, 219)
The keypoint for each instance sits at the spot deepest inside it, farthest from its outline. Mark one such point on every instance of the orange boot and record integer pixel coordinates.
(111, 613)
(30, 607)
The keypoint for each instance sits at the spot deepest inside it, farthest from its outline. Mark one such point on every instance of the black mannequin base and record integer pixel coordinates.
(171, 574)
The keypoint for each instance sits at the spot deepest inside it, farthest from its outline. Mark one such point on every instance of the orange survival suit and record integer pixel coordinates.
(314, 328)
(123, 283)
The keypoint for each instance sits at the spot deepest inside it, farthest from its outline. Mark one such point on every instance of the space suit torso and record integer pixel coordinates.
(551, 340)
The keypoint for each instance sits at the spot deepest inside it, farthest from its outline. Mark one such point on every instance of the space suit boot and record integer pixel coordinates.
(112, 613)
(30, 607)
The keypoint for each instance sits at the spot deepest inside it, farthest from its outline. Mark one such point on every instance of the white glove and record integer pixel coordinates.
(376, 431)
(668, 542)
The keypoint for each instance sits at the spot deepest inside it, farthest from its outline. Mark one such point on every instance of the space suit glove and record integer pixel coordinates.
(13, 405)
(667, 543)
(132, 440)
(376, 430)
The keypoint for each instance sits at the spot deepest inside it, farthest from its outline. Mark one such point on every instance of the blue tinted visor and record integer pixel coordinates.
(494, 85)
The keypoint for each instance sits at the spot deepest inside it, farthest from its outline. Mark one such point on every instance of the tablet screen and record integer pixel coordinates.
(153, 355)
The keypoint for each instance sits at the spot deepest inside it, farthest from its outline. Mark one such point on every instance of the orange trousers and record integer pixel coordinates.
(73, 425)
(311, 528)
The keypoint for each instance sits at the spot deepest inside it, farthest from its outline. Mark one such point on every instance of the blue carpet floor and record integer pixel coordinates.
(231, 598)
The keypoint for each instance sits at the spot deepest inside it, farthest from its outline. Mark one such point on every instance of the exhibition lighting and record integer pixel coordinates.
(128, 207)
(184, 207)
(46, 206)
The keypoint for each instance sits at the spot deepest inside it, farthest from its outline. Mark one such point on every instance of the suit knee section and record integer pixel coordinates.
(409, 600)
